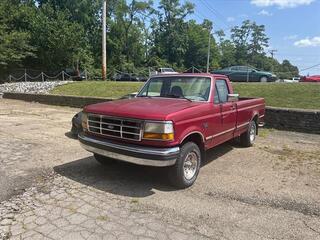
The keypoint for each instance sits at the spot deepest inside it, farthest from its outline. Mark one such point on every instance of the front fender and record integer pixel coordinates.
(191, 130)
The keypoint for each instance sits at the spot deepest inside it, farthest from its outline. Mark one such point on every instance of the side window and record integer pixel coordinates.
(243, 68)
(222, 89)
(216, 96)
(235, 68)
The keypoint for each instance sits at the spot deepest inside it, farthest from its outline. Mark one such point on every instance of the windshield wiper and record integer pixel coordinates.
(144, 96)
(176, 96)
(186, 98)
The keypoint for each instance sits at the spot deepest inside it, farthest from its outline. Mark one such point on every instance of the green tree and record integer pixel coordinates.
(170, 32)
(240, 37)
(15, 44)
(58, 34)
(286, 70)
(259, 40)
(250, 42)
(197, 46)
(126, 36)
(60, 42)
(226, 50)
(86, 13)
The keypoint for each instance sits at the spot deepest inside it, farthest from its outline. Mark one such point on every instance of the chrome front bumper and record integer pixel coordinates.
(141, 155)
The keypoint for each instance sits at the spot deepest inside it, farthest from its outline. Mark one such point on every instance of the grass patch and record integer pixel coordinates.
(102, 218)
(265, 132)
(288, 95)
(98, 89)
(135, 201)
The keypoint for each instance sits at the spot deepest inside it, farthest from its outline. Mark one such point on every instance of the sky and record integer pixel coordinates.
(293, 26)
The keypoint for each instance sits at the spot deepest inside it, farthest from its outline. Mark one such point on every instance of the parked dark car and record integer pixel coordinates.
(129, 77)
(246, 74)
(74, 74)
(142, 78)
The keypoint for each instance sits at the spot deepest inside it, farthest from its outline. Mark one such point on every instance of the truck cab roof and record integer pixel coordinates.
(191, 75)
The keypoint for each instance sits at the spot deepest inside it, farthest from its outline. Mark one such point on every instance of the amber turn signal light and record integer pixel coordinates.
(159, 136)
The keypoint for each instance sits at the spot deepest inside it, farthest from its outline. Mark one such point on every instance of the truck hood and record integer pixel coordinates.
(141, 108)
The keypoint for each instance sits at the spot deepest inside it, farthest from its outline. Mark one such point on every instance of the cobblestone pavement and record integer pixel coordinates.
(62, 209)
(52, 189)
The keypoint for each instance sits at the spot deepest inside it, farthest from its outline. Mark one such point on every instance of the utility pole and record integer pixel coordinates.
(104, 40)
(208, 55)
(272, 52)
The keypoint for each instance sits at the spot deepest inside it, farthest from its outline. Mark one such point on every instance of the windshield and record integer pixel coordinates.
(191, 88)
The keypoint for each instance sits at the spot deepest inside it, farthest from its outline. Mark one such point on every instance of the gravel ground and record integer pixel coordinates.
(50, 188)
(30, 87)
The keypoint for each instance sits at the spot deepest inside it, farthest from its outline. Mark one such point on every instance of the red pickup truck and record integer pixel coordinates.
(171, 123)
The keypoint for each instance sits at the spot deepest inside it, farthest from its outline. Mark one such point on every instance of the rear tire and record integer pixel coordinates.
(247, 139)
(104, 160)
(185, 172)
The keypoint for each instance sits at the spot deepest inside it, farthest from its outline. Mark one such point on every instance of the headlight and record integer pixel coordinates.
(84, 121)
(158, 131)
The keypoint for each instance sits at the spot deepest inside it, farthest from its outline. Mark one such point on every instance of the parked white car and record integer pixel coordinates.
(163, 71)
(293, 80)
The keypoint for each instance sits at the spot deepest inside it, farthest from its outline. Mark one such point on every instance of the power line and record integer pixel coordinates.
(310, 67)
(204, 17)
(215, 12)
(223, 18)
(218, 26)
(198, 15)
(298, 54)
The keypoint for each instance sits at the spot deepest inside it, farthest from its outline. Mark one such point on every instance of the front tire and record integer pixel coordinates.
(264, 79)
(185, 172)
(247, 138)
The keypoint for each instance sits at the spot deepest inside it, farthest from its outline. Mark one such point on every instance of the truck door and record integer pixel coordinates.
(228, 112)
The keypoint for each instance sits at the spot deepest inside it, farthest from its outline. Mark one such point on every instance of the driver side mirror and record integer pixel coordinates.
(233, 97)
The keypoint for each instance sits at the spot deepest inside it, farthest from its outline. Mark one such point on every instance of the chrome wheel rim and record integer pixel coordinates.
(190, 165)
(253, 132)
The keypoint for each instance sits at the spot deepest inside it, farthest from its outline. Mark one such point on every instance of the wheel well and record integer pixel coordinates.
(197, 139)
(255, 119)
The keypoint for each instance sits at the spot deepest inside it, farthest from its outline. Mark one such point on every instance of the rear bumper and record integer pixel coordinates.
(141, 155)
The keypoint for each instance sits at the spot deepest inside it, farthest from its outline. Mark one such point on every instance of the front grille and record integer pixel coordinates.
(115, 127)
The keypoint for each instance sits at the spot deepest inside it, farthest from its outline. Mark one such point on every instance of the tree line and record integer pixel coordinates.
(52, 35)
